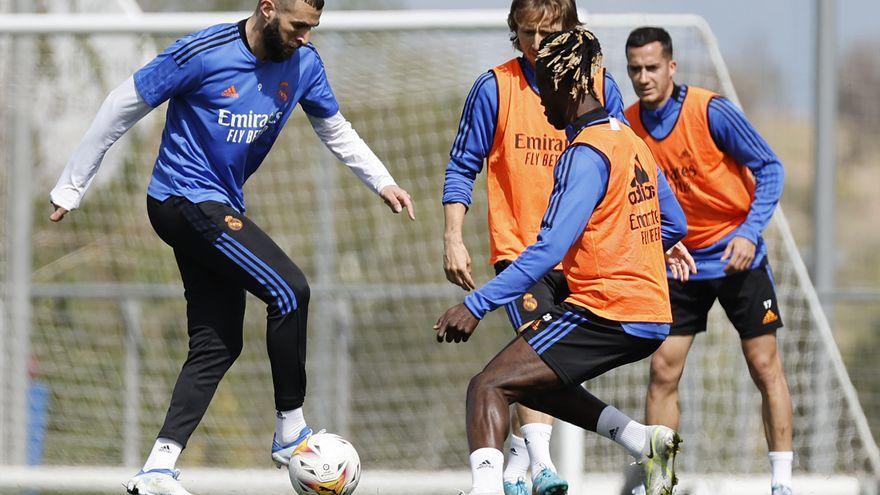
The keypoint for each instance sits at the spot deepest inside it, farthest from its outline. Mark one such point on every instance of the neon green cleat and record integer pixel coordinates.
(659, 460)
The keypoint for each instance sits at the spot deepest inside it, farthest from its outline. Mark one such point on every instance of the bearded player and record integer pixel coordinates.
(231, 89)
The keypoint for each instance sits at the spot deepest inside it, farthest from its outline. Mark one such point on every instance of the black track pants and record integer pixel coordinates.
(221, 254)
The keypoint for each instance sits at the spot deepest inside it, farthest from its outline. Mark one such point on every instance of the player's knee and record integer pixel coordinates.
(217, 354)
(301, 291)
(296, 294)
(665, 374)
(765, 368)
(485, 383)
(480, 384)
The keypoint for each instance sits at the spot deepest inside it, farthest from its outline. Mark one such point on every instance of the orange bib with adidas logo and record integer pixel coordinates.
(714, 191)
(617, 268)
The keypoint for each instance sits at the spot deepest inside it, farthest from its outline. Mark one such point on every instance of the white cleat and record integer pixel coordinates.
(659, 460)
(156, 482)
(281, 454)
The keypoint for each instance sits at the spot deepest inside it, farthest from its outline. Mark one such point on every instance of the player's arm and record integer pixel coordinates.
(122, 108)
(613, 99)
(165, 76)
(338, 135)
(734, 135)
(472, 144)
(581, 179)
(673, 224)
(673, 228)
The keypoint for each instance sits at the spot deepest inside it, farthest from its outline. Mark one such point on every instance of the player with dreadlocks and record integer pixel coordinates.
(610, 217)
(503, 126)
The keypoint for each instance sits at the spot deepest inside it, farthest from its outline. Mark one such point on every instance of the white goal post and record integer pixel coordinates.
(105, 289)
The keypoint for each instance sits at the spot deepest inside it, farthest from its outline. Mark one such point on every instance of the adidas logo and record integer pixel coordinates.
(230, 92)
(513, 451)
(165, 449)
(643, 190)
(770, 317)
(613, 433)
(485, 464)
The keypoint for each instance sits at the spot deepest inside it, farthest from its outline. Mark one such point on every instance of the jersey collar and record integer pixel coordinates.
(591, 118)
(242, 31)
(528, 70)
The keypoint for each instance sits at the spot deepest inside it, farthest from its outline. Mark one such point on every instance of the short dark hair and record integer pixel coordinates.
(316, 4)
(649, 34)
(564, 10)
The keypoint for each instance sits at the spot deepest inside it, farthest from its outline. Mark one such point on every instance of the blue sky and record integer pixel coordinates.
(786, 28)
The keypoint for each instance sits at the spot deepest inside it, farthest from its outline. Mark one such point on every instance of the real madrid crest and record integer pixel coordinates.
(233, 223)
(529, 302)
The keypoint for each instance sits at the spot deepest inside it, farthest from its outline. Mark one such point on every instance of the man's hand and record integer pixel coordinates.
(397, 199)
(741, 253)
(457, 264)
(680, 262)
(58, 214)
(456, 325)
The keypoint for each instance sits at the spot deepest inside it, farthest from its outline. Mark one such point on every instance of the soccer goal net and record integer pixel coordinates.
(93, 329)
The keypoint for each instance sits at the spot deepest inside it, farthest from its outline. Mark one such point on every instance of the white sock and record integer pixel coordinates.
(486, 467)
(537, 437)
(288, 425)
(517, 460)
(164, 455)
(780, 462)
(619, 427)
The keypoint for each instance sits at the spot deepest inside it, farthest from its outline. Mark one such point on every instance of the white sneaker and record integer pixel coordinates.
(156, 482)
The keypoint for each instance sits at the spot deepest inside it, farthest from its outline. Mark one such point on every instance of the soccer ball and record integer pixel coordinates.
(325, 464)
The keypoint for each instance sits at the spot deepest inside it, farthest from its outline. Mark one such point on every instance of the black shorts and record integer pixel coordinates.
(748, 298)
(579, 346)
(548, 292)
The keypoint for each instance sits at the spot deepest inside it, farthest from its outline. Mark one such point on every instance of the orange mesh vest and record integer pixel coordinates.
(714, 191)
(617, 269)
(520, 164)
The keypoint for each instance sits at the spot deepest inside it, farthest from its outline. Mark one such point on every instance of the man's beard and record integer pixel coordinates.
(276, 49)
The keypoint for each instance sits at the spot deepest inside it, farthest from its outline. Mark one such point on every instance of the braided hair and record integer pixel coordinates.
(572, 59)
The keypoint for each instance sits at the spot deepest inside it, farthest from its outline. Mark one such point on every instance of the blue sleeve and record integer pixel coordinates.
(673, 224)
(173, 72)
(734, 135)
(581, 178)
(613, 99)
(319, 100)
(472, 144)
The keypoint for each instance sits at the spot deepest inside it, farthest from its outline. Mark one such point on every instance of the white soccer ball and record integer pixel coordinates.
(325, 464)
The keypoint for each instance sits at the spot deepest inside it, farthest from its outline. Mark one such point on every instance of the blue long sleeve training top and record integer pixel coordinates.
(585, 174)
(226, 110)
(734, 135)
